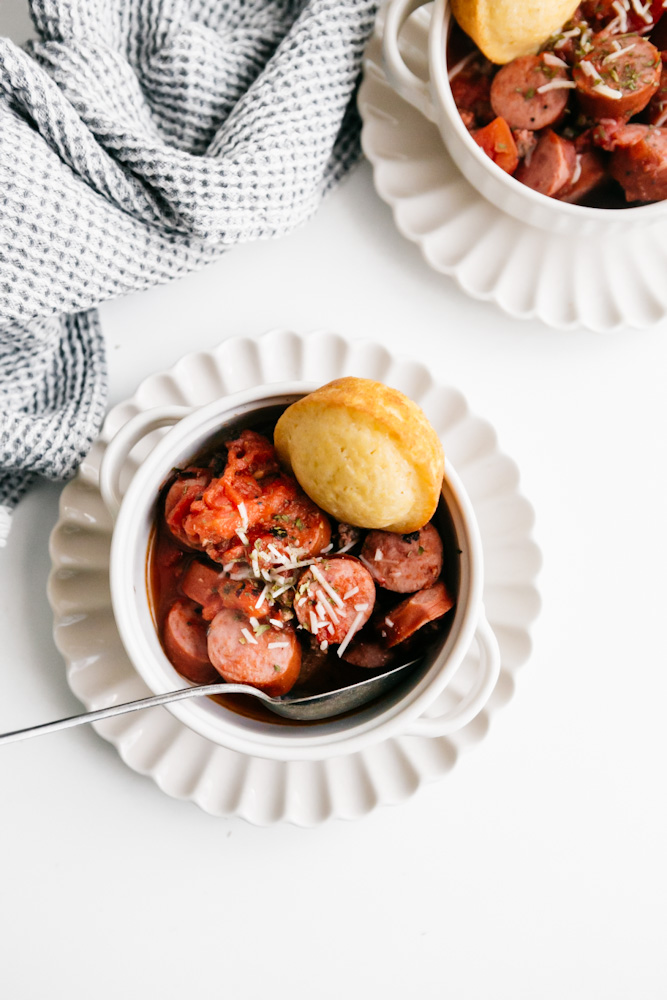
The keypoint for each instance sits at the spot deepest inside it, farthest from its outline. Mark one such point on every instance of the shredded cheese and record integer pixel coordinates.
(556, 85)
(328, 588)
(378, 555)
(355, 590)
(622, 18)
(589, 69)
(565, 37)
(389, 622)
(243, 514)
(461, 64)
(326, 607)
(278, 645)
(576, 174)
(617, 53)
(277, 622)
(643, 11)
(350, 634)
(551, 60)
(249, 637)
(262, 597)
(606, 91)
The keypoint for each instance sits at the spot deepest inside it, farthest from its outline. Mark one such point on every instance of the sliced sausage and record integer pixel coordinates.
(269, 659)
(185, 643)
(610, 134)
(518, 94)
(403, 563)
(551, 166)
(419, 609)
(498, 143)
(215, 590)
(188, 485)
(526, 141)
(641, 168)
(590, 172)
(471, 89)
(618, 77)
(332, 618)
(369, 653)
(656, 109)
(300, 530)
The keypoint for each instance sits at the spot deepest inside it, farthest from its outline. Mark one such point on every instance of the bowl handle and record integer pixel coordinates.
(402, 79)
(475, 699)
(122, 444)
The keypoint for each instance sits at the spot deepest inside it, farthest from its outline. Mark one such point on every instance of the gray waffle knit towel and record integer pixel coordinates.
(138, 140)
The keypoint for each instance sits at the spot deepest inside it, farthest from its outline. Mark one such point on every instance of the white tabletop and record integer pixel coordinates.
(536, 868)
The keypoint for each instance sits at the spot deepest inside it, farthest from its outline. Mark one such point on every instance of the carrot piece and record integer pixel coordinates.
(497, 141)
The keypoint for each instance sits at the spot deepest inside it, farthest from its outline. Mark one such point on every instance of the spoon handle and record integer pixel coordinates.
(128, 706)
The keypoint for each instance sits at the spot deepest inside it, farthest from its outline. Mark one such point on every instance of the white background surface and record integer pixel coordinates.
(536, 868)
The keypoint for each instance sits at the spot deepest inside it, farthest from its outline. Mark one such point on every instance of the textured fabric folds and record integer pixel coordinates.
(138, 140)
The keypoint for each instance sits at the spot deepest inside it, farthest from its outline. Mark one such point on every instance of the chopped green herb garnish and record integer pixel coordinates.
(299, 523)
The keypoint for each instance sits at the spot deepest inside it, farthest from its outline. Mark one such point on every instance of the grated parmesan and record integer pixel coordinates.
(461, 64)
(278, 645)
(249, 636)
(642, 10)
(617, 53)
(589, 69)
(355, 590)
(556, 85)
(350, 634)
(551, 60)
(329, 589)
(606, 91)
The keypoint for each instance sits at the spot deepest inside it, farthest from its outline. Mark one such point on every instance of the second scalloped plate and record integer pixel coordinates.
(601, 284)
(221, 781)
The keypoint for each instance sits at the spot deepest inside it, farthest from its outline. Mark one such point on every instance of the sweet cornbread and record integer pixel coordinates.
(365, 453)
(505, 29)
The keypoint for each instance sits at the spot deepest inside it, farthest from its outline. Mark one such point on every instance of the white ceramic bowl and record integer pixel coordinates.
(396, 713)
(433, 98)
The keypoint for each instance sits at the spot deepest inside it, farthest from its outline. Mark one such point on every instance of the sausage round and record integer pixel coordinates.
(185, 643)
(187, 486)
(515, 93)
(590, 172)
(403, 563)
(215, 590)
(618, 77)
(330, 619)
(641, 168)
(368, 653)
(551, 166)
(419, 609)
(270, 663)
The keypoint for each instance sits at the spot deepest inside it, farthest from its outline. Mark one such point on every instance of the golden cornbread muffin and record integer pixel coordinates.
(365, 453)
(505, 29)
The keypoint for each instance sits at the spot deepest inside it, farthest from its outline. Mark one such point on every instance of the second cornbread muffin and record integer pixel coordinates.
(365, 453)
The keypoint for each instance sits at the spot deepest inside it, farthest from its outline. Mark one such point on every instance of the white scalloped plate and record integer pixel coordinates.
(221, 781)
(601, 284)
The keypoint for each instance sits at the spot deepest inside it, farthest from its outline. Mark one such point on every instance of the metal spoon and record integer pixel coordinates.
(305, 708)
